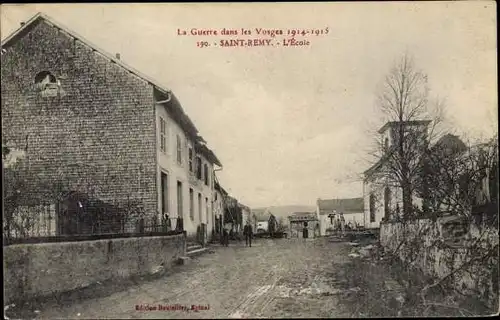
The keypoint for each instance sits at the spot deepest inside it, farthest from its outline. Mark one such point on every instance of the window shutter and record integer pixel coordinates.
(185, 153)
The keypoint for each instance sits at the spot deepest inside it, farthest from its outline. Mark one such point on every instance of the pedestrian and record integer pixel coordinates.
(247, 231)
(225, 237)
(342, 224)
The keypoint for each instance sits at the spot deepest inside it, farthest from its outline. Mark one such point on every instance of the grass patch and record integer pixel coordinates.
(381, 286)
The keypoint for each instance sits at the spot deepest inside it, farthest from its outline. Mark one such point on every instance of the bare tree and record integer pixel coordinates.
(24, 190)
(414, 121)
(463, 176)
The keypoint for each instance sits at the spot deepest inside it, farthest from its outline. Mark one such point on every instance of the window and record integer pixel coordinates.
(200, 208)
(198, 168)
(179, 149)
(206, 174)
(191, 204)
(206, 210)
(179, 200)
(48, 85)
(163, 135)
(387, 202)
(164, 192)
(386, 144)
(44, 79)
(372, 208)
(190, 154)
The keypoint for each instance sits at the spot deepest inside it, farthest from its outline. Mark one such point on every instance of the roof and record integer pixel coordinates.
(300, 216)
(352, 205)
(42, 17)
(175, 106)
(394, 123)
(218, 187)
(379, 162)
(449, 142)
(208, 153)
(303, 213)
(393, 148)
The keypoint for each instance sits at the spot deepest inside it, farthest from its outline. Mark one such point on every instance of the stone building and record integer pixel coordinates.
(83, 116)
(382, 191)
(300, 220)
(327, 210)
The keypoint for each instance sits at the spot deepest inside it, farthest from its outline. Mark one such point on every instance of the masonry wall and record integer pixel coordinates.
(97, 134)
(424, 248)
(34, 270)
(376, 185)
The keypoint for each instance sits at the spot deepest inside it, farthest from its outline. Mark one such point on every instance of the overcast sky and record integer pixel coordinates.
(290, 124)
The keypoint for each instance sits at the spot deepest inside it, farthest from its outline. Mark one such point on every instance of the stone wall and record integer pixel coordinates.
(35, 270)
(431, 247)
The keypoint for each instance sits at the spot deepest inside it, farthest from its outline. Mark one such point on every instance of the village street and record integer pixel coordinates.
(273, 278)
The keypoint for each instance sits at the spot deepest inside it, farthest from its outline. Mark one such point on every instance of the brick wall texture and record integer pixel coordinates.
(99, 135)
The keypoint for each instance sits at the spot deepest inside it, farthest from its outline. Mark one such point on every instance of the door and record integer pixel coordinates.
(200, 209)
(180, 212)
(164, 193)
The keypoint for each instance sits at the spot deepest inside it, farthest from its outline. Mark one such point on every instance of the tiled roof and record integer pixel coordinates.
(302, 215)
(353, 205)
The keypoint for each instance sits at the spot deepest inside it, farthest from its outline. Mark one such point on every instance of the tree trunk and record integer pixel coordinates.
(407, 202)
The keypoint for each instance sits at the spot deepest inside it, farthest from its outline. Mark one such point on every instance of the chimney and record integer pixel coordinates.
(117, 56)
(23, 23)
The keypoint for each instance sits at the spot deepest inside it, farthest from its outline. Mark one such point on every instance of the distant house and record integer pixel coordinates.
(246, 213)
(218, 206)
(260, 219)
(232, 213)
(83, 115)
(353, 210)
(298, 221)
(262, 226)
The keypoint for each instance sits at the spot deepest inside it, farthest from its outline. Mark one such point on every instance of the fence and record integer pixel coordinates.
(83, 220)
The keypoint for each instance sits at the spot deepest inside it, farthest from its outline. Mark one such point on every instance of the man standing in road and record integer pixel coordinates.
(342, 224)
(225, 237)
(247, 231)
